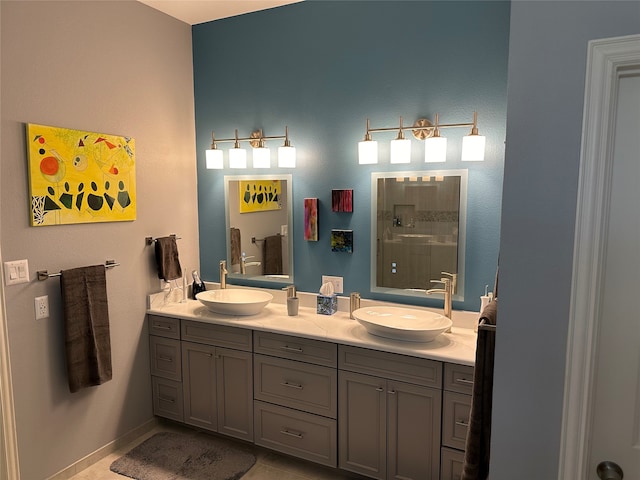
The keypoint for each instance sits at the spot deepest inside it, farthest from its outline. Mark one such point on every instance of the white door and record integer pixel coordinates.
(615, 433)
(601, 417)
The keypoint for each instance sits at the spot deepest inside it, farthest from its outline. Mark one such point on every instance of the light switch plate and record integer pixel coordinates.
(16, 271)
(337, 283)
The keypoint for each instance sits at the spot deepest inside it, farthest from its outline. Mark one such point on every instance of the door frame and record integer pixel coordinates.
(607, 58)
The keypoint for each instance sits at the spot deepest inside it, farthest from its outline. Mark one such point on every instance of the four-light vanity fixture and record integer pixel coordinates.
(261, 153)
(435, 146)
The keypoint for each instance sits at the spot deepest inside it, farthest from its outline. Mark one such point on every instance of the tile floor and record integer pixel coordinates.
(269, 465)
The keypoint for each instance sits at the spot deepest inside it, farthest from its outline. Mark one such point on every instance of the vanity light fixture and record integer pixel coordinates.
(435, 145)
(473, 144)
(237, 155)
(261, 155)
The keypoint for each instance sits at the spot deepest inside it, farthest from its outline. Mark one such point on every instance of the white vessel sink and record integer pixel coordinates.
(235, 301)
(399, 323)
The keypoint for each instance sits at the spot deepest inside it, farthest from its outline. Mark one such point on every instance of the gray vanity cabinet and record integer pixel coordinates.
(295, 391)
(458, 387)
(166, 367)
(217, 381)
(389, 414)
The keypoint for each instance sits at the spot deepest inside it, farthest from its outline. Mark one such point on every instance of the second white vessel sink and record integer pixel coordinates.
(235, 301)
(399, 323)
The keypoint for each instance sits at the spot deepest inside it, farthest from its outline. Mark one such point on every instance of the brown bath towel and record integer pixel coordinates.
(86, 326)
(272, 255)
(167, 258)
(476, 457)
(236, 245)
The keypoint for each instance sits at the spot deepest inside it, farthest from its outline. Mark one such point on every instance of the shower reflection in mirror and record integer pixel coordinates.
(418, 229)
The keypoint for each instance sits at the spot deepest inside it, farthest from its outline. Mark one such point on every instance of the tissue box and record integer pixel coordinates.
(327, 304)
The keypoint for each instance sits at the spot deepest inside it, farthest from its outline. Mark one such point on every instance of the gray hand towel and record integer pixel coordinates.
(476, 457)
(167, 258)
(86, 325)
(236, 245)
(272, 255)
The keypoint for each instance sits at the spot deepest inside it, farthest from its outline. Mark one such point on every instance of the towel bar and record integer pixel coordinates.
(254, 239)
(44, 274)
(150, 240)
(485, 326)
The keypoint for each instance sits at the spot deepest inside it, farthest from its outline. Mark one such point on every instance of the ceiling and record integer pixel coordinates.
(200, 11)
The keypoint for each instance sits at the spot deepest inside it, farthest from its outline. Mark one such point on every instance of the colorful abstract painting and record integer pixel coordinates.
(260, 195)
(342, 200)
(80, 177)
(342, 241)
(311, 219)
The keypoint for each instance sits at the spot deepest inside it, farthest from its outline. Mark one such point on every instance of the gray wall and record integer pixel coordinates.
(547, 65)
(110, 67)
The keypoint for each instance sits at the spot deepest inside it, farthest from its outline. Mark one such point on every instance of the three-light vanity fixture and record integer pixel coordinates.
(261, 153)
(435, 146)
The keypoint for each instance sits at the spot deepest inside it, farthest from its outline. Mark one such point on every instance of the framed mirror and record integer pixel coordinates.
(258, 220)
(418, 222)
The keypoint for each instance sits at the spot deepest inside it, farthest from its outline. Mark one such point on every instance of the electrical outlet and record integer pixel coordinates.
(42, 307)
(337, 283)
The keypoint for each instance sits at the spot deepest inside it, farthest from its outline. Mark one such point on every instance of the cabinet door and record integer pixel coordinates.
(362, 424)
(234, 393)
(413, 423)
(198, 379)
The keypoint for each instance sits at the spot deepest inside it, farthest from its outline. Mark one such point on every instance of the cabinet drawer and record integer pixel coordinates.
(296, 348)
(166, 360)
(451, 461)
(219, 335)
(455, 419)
(164, 326)
(419, 371)
(303, 386)
(458, 378)
(303, 435)
(167, 398)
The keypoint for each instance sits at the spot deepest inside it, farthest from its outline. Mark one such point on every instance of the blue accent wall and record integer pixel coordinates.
(323, 68)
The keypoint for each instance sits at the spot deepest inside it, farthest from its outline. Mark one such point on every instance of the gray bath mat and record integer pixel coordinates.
(185, 456)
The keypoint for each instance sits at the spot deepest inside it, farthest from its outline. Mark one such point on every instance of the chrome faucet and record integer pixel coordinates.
(450, 285)
(223, 274)
(243, 263)
(291, 291)
(354, 303)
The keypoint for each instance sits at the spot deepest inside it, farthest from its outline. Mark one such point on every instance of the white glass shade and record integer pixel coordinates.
(473, 148)
(367, 152)
(287, 157)
(261, 157)
(237, 158)
(435, 150)
(400, 151)
(214, 159)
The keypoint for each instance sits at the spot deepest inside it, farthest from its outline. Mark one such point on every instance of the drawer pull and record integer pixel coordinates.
(162, 327)
(167, 399)
(391, 392)
(379, 389)
(164, 358)
(292, 385)
(291, 434)
(462, 423)
(464, 381)
(292, 349)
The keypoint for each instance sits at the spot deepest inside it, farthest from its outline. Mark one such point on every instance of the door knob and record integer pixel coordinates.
(609, 471)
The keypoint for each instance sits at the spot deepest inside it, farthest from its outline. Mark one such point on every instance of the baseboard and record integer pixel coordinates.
(102, 452)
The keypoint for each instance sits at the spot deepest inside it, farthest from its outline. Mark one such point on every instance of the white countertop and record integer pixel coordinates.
(459, 346)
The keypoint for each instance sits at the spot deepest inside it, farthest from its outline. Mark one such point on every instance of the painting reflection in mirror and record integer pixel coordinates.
(258, 216)
(418, 228)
